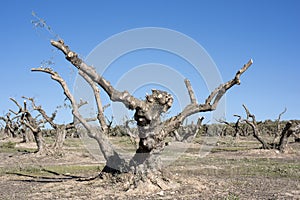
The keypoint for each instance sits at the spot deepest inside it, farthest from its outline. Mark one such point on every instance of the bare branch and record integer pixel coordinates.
(19, 106)
(106, 148)
(210, 103)
(256, 132)
(190, 90)
(278, 121)
(124, 97)
(81, 103)
(217, 94)
(100, 115)
(42, 112)
(15, 113)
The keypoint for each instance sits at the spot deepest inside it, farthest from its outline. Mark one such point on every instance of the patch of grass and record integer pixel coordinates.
(8, 147)
(73, 142)
(229, 149)
(272, 169)
(231, 196)
(242, 167)
(268, 168)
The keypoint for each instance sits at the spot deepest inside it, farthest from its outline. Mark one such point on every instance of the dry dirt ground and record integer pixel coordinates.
(231, 170)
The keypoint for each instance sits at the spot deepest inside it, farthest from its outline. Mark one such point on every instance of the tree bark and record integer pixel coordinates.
(59, 138)
(277, 133)
(285, 134)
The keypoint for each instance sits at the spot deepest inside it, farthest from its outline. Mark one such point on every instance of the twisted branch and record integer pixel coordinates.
(210, 103)
(124, 97)
(106, 148)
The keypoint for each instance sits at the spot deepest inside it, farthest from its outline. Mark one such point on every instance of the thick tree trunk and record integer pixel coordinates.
(39, 141)
(59, 138)
(285, 134)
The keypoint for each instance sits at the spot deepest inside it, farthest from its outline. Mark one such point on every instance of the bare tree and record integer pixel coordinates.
(32, 123)
(235, 126)
(60, 129)
(10, 126)
(188, 132)
(152, 131)
(278, 129)
(287, 131)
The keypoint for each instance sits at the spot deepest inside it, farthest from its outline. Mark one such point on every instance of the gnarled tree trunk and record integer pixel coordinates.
(152, 131)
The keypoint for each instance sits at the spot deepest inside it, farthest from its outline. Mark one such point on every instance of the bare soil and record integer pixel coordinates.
(232, 170)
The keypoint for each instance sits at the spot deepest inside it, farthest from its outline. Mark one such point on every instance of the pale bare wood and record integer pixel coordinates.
(128, 100)
(96, 91)
(31, 123)
(109, 153)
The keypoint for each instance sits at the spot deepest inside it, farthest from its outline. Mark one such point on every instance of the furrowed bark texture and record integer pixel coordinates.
(152, 131)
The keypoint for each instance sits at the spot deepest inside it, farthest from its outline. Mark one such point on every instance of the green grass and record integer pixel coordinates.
(10, 147)
(231, 196)
(229, 149)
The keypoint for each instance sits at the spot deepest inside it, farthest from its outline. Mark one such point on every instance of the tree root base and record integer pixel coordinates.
(148, 182)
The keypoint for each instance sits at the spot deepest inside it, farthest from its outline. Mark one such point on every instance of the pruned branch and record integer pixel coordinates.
(210, 103)
(256, 131)
(277, 133)
(96, 91)
(124, 97)
(214, 98)
(190, 91)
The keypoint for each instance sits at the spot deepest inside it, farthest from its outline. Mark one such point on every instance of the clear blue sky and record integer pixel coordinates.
(231, 31)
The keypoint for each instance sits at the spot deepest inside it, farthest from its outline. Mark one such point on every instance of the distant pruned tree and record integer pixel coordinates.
(289, 129)
(36, 123)
(31, 123)
(10, 126)
(235, 126)
(187, 132)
